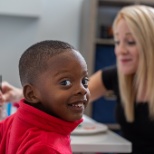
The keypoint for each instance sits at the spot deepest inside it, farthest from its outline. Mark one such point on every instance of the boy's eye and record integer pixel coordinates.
(66, 83)
(85, 82)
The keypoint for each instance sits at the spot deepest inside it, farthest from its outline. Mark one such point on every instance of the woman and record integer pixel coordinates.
(132, 78)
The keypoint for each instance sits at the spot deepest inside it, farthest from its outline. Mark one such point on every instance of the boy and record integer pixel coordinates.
(55, 86)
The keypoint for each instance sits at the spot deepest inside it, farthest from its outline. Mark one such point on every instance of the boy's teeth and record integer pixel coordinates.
(78, 105)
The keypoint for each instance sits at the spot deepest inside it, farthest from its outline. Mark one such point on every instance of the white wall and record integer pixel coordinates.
(58, 19)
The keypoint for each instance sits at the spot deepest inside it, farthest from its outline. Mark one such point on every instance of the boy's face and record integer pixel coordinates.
(63, 89)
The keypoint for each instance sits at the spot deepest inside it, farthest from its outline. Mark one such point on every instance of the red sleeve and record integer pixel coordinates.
(40, 149)
(1, 131)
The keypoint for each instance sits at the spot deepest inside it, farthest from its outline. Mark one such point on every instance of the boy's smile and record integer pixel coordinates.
(78, 105)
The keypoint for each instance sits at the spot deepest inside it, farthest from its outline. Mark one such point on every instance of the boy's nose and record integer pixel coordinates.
(81, 90)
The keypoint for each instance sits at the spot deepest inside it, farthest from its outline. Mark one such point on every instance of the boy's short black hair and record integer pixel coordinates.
(35, 59)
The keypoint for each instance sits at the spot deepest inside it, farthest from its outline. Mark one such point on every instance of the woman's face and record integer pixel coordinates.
(126, 50)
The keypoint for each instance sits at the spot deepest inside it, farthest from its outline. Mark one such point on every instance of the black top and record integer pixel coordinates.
(141, 131)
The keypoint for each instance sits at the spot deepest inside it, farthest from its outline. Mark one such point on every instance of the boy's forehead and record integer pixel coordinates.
(68, 54)
(67, 59)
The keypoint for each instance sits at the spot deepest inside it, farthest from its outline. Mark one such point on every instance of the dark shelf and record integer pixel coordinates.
(119, 3)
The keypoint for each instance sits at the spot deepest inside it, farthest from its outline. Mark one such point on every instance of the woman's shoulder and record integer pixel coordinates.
(110, 73)
(110, 70)
(110, 77)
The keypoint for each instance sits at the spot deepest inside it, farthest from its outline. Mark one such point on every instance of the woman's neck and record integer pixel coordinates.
(141, 97)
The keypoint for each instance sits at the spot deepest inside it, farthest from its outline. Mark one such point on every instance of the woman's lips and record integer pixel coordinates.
(125, 61)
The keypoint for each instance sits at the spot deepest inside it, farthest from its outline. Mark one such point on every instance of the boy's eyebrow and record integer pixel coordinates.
(61, 72)
(66, 71)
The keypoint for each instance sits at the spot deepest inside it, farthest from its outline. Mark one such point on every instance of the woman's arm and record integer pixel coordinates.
(96, 86)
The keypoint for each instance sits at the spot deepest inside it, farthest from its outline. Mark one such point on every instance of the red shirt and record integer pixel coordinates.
(31, 131)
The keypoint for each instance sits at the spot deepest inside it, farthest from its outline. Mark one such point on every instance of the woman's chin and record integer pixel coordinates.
(126, 70)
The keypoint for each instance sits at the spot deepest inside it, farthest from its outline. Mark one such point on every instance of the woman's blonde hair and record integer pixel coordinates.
(140, 20)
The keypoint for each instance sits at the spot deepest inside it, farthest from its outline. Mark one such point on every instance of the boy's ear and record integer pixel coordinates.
(30, 94)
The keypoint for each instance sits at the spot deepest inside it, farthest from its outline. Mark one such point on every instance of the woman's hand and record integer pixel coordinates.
(10, 93)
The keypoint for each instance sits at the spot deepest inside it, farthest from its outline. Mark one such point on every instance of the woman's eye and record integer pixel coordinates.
(85, 82)
(66, 83)
(116, 42)
(131, 42)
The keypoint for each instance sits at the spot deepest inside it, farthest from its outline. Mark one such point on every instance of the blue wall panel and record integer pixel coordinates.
(103, 110)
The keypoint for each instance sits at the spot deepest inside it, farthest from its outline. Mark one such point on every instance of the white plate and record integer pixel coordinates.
(89, 128)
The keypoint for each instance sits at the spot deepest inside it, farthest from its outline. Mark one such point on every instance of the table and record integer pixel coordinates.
(101, 142)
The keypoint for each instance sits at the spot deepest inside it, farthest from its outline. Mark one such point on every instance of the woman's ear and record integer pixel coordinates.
(30, 93)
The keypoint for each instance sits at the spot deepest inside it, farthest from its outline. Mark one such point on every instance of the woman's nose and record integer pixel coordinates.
(121, 48)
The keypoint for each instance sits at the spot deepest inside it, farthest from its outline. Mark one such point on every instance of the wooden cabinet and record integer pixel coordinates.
(97, 46)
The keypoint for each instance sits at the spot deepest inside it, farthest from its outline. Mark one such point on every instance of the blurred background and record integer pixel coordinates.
(24, 22)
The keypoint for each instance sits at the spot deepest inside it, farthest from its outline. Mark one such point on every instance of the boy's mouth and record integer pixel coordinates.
(79, 105)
